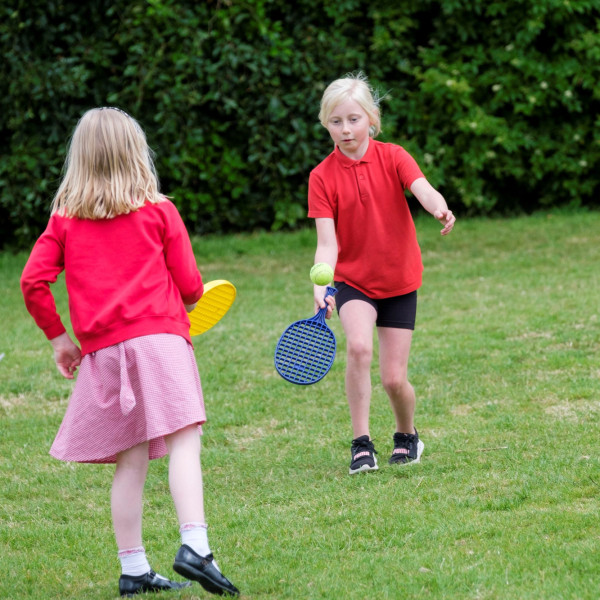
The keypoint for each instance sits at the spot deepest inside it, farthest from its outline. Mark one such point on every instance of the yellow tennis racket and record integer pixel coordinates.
(215, 302)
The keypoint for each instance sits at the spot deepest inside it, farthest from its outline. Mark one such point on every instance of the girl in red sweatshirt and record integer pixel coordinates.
(131, 277)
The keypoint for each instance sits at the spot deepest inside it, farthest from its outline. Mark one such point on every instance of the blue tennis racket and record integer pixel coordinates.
(305, 351)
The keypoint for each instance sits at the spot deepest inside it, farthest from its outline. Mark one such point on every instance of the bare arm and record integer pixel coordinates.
(433, 202)
(327, 252)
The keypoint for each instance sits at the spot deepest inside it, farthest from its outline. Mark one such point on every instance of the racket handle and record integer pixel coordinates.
(323, 311)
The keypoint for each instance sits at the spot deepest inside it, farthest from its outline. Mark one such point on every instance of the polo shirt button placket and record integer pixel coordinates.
(362, 188)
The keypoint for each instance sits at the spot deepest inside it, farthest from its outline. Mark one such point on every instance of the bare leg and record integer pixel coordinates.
(185, 474)
(185, 480)
(126, 505)
(394, 350)
(126, 496)
(358, 321)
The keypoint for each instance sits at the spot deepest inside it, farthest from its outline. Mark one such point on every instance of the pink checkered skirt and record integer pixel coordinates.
(137, 391)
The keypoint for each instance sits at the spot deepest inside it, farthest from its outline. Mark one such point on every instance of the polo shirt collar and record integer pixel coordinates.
(349, 162)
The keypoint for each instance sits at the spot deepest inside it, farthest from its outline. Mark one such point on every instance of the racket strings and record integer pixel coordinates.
(305, 352)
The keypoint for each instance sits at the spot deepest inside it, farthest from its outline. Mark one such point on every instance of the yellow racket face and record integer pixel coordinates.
(215, 302)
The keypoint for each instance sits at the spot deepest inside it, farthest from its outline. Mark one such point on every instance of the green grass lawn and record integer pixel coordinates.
(506, 366)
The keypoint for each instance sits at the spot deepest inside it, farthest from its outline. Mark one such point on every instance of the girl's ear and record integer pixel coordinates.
(376, 111)
(373, 126)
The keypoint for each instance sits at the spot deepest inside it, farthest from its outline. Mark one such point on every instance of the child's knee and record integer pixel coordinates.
(396, 383)
(359, 351)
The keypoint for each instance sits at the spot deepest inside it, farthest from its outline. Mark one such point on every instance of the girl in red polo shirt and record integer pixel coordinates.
(366, 233)
(131, 275)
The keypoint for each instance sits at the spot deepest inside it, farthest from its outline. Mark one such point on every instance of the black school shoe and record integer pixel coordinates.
(203, 570)
(363, 455)
(407, 448)
(129, 585)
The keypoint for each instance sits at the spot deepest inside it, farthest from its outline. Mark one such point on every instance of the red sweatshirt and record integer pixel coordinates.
(126, 277)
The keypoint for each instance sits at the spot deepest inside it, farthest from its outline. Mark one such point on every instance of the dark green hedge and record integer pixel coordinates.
(497, 100)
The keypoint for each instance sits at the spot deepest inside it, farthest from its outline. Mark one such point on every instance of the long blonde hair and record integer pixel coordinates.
(108, 170)
(354, 86)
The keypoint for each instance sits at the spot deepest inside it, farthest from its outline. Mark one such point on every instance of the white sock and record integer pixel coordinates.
(134, 561)
(195, 535)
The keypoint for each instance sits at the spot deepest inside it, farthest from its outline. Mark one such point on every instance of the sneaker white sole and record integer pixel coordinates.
(364, 468)
(420, 448)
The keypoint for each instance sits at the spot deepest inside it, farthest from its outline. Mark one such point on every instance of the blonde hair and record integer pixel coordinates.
(354, 86)
(108, 170)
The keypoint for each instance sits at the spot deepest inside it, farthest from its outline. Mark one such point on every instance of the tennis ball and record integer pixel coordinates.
(321, 274)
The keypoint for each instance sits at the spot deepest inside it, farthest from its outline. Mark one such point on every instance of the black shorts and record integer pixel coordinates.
(399, 311)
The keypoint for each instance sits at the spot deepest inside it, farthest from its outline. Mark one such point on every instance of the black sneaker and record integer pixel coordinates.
(407, 448)
(363, 455)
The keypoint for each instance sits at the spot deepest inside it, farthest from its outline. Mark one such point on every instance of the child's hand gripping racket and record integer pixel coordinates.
(216, 300)
(305, 351)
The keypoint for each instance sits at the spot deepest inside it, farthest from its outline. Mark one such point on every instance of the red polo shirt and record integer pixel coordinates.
(378, 251)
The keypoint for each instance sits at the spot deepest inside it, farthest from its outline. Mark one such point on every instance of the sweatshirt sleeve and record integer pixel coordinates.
(179, 257)
(43, 267)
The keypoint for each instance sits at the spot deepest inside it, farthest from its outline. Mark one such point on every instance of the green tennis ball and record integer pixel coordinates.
(321, 274)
